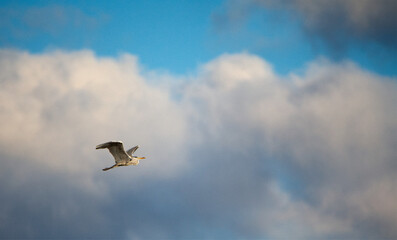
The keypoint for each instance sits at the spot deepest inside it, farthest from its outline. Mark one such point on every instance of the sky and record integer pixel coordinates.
(259, 119)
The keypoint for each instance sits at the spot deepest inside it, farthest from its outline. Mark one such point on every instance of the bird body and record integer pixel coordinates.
(121, 157)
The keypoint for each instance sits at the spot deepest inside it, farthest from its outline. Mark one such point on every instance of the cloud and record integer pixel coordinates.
(338, 23)
(234, 151)
(20, 24)
(64, 94)
(326, 133)
(60, 16)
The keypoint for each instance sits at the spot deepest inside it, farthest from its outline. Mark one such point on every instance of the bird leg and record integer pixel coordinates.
(105, 169)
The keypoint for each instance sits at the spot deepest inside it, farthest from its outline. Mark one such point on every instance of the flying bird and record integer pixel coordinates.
(121, 157)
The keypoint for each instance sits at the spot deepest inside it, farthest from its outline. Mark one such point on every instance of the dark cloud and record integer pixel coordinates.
(242, 153)
(338, 23)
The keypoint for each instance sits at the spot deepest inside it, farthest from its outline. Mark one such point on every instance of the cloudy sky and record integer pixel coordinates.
(259, 119)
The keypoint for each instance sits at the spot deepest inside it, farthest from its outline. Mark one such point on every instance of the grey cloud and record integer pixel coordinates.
(365, 20)
(241, 153)
(19, 24)
(329, 131)
(52, 18)
(338, 23)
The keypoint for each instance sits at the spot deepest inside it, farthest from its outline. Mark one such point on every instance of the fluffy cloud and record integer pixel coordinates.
(233, 152)
(58, 96)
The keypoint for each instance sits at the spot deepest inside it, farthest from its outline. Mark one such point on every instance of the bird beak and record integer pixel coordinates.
(142, 158)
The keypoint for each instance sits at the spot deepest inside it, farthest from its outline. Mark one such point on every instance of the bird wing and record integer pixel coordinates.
(132, 150)
(116, 149)
(108, 144)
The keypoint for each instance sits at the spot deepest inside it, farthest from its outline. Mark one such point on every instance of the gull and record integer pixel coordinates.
(121, 157)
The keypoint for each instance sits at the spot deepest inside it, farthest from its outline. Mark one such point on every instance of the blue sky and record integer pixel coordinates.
(259, 119)
(176, 35)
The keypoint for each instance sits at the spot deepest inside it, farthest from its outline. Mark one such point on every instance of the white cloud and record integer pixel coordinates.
(240, 152)
(58, 106)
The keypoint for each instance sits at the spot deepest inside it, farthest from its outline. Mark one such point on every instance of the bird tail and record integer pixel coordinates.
(105, 169)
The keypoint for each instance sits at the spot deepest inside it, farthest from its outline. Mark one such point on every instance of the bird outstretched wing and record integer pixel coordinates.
(132, 150)
(116, 149)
